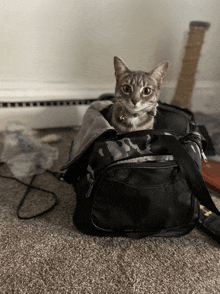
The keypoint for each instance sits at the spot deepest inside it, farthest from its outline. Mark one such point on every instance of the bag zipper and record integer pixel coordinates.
(90, 189)
(149, 165)
(204, 156)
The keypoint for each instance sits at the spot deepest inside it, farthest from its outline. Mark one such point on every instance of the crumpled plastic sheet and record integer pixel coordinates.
(24, 154)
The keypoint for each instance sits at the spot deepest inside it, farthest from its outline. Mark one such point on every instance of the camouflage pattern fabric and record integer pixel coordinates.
(136, 145)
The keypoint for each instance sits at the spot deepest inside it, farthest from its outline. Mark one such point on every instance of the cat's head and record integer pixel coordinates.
(138, 90)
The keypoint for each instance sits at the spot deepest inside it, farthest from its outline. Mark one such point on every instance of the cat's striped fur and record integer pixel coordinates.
(136, 96)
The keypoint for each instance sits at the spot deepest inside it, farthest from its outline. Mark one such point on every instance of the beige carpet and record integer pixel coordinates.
(48, 255)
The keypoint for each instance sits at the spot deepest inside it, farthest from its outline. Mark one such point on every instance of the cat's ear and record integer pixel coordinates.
(120, 67)
(159, 72)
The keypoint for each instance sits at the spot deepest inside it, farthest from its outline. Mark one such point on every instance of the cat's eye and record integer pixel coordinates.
(126, 89)
(147, 91)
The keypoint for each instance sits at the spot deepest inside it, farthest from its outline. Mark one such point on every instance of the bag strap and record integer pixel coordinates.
(190, 171)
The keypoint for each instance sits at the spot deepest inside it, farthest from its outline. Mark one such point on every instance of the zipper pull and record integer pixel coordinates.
(204, 156)
(89, 190)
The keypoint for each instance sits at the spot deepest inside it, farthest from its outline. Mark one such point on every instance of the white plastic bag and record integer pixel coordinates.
(24, 154)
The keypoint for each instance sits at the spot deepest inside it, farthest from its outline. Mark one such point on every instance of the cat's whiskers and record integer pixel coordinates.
(136, 96)
(140, 108)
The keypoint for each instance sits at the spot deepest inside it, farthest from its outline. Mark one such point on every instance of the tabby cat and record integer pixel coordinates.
(136, 96)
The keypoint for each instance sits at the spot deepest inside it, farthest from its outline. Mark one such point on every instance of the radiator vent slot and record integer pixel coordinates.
(45, 103)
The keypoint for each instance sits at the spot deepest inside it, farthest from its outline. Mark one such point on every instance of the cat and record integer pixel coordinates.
(136, 97)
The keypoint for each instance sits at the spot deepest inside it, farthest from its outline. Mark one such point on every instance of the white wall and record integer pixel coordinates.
(72, 42)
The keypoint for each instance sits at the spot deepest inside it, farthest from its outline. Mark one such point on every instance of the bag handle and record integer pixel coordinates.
(190, 171)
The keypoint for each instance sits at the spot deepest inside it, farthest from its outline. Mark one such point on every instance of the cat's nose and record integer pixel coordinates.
(134, 101)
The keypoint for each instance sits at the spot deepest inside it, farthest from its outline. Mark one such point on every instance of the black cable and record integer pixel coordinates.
(29, 188)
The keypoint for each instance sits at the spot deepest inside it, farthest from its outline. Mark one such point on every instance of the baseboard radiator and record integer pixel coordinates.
(44, 114)
(64, 105)
(47, 104)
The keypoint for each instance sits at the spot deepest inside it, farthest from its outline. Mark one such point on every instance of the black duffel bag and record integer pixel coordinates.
(144, 183)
